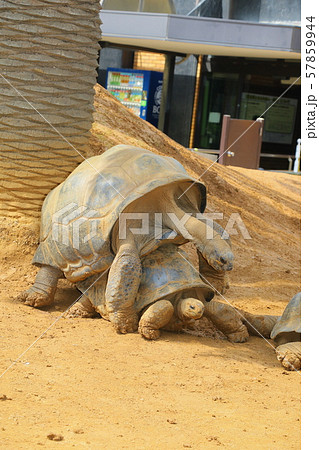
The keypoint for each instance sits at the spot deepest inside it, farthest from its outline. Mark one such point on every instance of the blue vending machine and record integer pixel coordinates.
(139, 90)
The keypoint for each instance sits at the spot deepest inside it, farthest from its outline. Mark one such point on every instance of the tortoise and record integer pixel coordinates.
(287, 335)
(82, 233)
(285, 330)
(171, 295)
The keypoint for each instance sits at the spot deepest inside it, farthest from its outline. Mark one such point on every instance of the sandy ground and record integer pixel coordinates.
(81, 385)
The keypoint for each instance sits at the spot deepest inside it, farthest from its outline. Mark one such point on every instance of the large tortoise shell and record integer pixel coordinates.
(78, 215)
(165, 271)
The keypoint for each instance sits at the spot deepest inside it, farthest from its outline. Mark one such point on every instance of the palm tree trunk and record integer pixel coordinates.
(48, 66)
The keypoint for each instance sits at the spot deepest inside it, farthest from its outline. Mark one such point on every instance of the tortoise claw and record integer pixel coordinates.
(124, 324)
(33, 298)
(239, 336)
(149, 333)
(290, 355)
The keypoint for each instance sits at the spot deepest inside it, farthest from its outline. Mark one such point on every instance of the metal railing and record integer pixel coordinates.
(292, 159)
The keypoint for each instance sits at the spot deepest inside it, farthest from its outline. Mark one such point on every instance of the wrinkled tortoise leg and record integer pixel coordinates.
(121, 290)
(83, 308)
(155, 317)
(290, 355)
(258, 324)
(227, 320)
(43, 290)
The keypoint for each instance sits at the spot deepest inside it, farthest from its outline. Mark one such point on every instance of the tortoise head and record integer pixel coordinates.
(216, 278)
(218, 253)
(190, 308)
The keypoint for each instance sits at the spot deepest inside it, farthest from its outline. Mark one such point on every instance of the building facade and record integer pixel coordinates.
(230, 57)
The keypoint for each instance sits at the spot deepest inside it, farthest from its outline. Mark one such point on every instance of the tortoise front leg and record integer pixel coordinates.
(155, 317)
(162, 315)
(121, 290)
(290, 355)
(227, 320)
(43, 290)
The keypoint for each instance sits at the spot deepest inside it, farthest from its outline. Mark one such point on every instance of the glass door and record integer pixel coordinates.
(219, 97)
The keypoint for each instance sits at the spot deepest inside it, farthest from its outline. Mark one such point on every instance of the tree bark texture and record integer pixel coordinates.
(48, 66)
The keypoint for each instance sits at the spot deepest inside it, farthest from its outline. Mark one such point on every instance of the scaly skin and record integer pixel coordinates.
(217, 279)
(258, 324)
(83, 308)
(227, 320)
(121, 290)
(216, 251)
(43, 290)
(163, 315)
(155, 317)
(290, 355)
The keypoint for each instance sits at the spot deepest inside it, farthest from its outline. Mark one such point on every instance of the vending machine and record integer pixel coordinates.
(139, 90)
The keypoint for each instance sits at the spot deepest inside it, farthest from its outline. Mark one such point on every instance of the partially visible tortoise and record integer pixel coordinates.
(171, 295)
(287, 335)
(81, 234)
(285, 330)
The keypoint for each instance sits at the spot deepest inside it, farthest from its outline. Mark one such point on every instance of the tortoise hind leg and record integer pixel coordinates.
(83, 308)
(43, 290)
(155, 317)
(121, 290)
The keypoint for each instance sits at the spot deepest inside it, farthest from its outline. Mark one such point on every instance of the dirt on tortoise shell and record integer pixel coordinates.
(83, 386)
